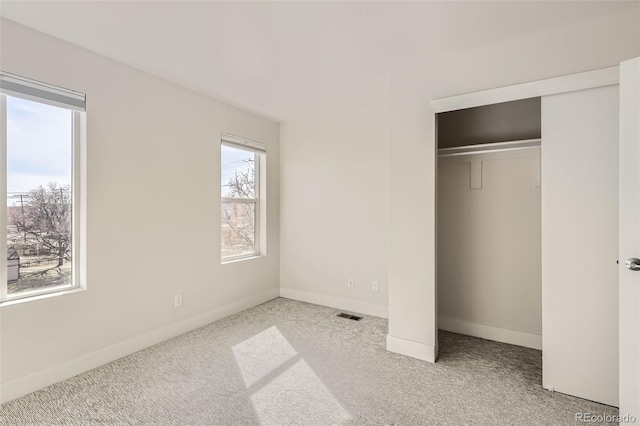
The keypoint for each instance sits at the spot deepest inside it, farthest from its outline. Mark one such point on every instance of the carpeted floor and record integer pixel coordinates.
(287, 362)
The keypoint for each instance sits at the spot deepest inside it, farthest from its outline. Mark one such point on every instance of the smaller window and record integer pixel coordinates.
(242, 162)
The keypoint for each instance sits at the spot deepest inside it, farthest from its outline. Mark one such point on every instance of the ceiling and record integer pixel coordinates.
(287, 59)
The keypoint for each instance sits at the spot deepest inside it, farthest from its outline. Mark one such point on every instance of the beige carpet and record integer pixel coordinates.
(287, 362)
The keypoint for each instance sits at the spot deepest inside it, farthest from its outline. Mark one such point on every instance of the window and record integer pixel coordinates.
(40, 184)
(242, 168)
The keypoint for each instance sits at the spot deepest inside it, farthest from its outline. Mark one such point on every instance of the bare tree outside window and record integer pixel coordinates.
(242, 183)
(42, 237)
(46, 220)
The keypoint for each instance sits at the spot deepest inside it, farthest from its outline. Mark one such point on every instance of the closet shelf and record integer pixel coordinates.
(489, 147)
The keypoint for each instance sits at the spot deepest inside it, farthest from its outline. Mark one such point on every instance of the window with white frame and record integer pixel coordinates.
(40, 185)
(242, 162)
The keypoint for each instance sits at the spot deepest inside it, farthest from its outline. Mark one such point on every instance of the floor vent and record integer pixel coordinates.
(348, 316)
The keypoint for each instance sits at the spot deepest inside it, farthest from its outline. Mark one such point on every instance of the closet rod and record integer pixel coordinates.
(489, 147)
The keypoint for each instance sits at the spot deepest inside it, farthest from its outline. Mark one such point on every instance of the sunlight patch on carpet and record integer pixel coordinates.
(283, 387)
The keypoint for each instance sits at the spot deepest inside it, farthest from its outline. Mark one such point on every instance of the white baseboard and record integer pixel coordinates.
(504, 335)
(43, 378)
(410, 348)
(336, 302)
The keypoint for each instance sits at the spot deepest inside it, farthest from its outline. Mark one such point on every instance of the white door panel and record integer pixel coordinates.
(629, 238)
(580, 243)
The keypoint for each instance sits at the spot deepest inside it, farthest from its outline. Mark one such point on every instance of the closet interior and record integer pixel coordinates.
(489, 222)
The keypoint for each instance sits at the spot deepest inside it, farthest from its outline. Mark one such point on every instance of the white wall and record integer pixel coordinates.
(153, 198)
(335, 209)
(489, 270)
(580, 243)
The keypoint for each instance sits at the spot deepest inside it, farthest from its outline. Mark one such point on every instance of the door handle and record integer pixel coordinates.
(633, 263)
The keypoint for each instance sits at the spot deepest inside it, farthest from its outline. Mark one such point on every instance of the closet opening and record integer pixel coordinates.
(489, 224)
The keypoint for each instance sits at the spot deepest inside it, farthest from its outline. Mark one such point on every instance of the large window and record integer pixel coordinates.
(40, 184)
(242, 162)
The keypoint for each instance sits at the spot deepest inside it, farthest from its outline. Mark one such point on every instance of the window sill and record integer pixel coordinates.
(11, 302)
(240, 259)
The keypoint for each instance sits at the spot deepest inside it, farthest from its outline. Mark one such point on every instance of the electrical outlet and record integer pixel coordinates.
(177, 300)
(350, 283)
(375, 287)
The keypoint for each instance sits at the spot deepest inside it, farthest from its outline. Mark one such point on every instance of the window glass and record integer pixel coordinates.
(238, 172)
(39, 196)
(239, 202)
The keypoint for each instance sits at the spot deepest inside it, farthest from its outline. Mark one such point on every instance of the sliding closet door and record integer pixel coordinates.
(629, 237)
(580, 243)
